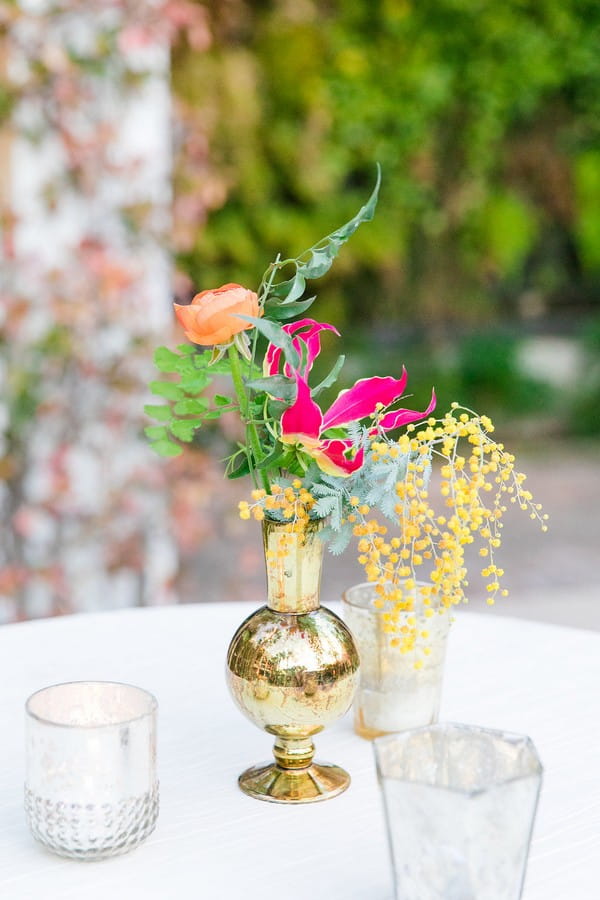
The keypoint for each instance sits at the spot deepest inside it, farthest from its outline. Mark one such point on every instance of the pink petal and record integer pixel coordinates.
(271, 360)
(399, 417)
(330, 457)
(362, 399)
(311, 340)
(303, 419)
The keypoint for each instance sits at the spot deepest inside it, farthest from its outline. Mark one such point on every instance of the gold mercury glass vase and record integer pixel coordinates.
(292, 668)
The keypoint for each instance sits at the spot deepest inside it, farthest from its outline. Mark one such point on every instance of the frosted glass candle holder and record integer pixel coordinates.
(91, 789)
(393, 694)
(460, 804)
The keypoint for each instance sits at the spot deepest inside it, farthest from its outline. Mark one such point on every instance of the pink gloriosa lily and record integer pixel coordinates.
(305, 424)
(306, 339)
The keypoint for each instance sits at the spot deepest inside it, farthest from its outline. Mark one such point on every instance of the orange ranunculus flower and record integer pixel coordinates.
(211, 317)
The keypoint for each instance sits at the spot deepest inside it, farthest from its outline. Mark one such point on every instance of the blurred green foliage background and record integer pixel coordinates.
(485, 117)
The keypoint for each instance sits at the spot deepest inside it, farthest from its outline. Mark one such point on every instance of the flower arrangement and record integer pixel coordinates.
(345, 464)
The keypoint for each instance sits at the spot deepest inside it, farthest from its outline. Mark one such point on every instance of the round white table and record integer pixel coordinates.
(214, 843)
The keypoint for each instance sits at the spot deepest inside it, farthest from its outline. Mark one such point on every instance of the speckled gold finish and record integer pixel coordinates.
(293, 669)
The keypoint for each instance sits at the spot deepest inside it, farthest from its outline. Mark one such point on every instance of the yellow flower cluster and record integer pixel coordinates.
(291, 504)
(474, 487)
(421, 571)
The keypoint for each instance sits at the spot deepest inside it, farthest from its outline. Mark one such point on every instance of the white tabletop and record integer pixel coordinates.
(214, 843)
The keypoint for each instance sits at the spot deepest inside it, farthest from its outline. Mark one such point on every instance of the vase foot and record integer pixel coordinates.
(319, 781)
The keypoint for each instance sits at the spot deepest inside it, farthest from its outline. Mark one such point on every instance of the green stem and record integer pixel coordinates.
(251, 432)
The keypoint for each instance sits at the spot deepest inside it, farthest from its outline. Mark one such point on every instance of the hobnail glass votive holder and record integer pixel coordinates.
(91, 790)
(460, 804)
(393, 693)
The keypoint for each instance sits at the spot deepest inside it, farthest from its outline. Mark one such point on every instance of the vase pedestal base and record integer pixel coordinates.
(271, 782)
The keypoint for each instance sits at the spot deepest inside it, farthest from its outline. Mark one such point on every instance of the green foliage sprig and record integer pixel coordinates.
(185, 411)
(260, 400)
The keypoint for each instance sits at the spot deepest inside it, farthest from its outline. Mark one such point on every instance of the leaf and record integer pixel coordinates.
(162, 413)
(365, 214)
(325, 506)
(275, 458)
(323, 490)
(166, 448)
(166, 360)
(388, 505)
(276, 385)
(202, 358)
(277, 336)
(338, 541)
(213, 414)
(242, 469)
(185, 366)
(319, 258)
(191, 406)
(186, 349)
(319, 263)
(220, 400)
(155, 432)
(195, 382)
(219, 368)
(282, 311)
(276, 408)
(290, 290)
(166, 389)
(331, 378)
(295, 462)
(184, 429)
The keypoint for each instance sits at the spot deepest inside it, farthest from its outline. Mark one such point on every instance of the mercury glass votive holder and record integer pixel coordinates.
(91, 790)
(460, 804)
(393, 693)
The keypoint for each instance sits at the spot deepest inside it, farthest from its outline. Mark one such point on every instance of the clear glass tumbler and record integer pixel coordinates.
(393, 693)
(460, 804)
(91, 788)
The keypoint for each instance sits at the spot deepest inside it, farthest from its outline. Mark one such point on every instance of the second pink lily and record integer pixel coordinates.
(305, 425)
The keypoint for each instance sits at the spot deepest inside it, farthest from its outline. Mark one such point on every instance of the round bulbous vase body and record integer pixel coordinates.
(292, 669)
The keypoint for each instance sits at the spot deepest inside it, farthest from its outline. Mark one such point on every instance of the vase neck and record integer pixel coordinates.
(293, 562)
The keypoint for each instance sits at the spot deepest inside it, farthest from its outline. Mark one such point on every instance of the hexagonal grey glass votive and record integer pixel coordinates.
(460, 804)
(91, 789)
